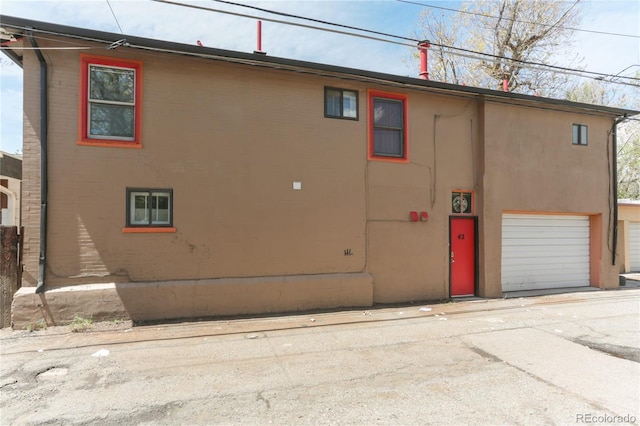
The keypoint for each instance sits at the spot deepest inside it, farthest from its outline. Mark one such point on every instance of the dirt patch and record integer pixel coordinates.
(9, 333)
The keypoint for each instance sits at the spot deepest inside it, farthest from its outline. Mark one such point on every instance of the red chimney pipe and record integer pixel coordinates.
(259, 36)
(423, 46)
(259, 39)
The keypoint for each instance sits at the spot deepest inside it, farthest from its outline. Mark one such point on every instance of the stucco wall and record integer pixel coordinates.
(410, 260)
(532, 166)
(231, 139)
(230, 143)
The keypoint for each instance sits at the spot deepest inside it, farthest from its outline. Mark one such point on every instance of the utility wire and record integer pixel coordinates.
(470, 54)
(114, 17)
(515, 20)
(468, 51)
(289, 15)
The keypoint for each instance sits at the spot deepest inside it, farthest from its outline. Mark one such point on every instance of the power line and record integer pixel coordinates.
(578, 73)
(319, 21)
(516, 20)
(467, 51)
(114, 17)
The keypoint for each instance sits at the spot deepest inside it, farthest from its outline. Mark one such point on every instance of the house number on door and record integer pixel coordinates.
(461, 236)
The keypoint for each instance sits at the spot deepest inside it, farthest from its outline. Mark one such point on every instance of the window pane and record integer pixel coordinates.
(576, 134)
(111, 120)
(333, 102)
(160, 208)
(583, 135)
(111, 84)
(388, 113)
(139, 209)
(388, 142)
(350, 104)
(466, 202)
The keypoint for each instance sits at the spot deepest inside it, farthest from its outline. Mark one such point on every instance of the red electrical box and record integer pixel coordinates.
(413, 216)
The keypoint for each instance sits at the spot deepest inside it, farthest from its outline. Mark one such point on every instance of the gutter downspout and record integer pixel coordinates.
(44, 121)
(614, 142)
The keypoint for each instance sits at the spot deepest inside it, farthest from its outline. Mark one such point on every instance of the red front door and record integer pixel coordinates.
(462, 240)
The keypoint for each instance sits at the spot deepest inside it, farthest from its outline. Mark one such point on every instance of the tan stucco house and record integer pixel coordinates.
(165, 180)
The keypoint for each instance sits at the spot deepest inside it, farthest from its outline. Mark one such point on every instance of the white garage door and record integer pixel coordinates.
(634, 246)
(544, 251)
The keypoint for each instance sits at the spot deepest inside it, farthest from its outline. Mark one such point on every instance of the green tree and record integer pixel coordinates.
(512, 30)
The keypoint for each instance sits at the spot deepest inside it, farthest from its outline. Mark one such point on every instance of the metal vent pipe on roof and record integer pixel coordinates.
(423, 46)
(259, 39)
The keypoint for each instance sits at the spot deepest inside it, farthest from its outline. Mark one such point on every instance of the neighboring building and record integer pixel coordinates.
(629, 235)
(186, 181)
(10, 189)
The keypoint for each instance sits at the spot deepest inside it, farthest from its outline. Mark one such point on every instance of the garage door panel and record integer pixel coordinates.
(534, 231)
(634, 246)
(572, 263)
(551, 244)
(548, 272)
(578, 268)
(535, 284)
(544, 251)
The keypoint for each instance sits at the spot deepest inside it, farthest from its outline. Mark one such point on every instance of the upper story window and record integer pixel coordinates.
(388, 126)
(580, 134)
(340, 103)
(110, 102)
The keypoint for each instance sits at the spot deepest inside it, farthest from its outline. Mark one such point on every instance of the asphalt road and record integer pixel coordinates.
(559, 359)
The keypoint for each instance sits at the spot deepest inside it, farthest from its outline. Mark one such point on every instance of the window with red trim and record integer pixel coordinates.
(387, 126)
(110, 101)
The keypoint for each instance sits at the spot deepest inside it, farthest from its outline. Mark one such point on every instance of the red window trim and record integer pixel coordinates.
(148, 230)
(397, 96)
(83, 138)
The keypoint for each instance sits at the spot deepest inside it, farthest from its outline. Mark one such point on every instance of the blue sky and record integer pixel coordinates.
(602, 53)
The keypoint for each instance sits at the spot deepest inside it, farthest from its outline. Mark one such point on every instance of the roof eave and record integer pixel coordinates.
(256, 58)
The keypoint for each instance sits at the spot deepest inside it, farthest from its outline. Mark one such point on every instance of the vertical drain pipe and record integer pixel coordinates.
(44, 121)
(614, 160)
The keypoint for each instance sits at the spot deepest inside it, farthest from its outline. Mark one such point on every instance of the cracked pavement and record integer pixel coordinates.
(534, 360)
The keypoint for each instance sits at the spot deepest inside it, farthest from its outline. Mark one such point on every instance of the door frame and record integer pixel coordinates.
(475, 252)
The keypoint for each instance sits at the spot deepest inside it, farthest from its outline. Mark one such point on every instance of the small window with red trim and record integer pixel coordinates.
(149, 207)
(387, 126)
(110, 101)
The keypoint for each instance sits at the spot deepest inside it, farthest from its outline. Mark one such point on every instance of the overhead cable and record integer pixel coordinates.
(114, 17)
(516, 20)
(496, 58)
(380, 33)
